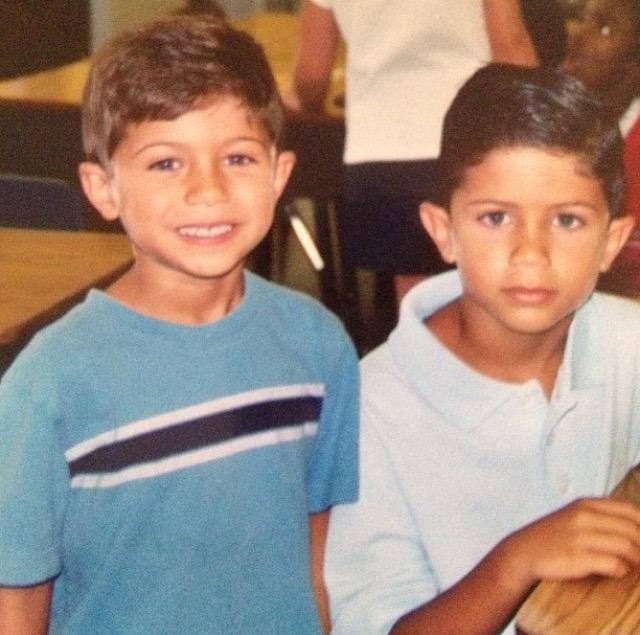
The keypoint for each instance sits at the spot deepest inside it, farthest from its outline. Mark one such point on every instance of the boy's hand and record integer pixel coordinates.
(589, 536)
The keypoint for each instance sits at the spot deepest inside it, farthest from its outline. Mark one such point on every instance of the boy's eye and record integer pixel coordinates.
(568, 221)
(165, 164)
(495, 219)
(239, 159)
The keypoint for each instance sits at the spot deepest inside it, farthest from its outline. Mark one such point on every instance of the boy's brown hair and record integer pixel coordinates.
(166, 68)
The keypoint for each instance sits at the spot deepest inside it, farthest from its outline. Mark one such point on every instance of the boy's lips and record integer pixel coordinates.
(205, 231)
(529, 295)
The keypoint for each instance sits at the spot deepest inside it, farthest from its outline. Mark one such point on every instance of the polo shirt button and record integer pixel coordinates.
(563, 485)
(524, 398)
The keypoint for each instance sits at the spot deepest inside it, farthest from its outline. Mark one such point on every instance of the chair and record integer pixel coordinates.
(318, 144)
(39, 203)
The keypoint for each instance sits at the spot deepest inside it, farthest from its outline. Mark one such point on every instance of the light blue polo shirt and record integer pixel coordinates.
(452, 461)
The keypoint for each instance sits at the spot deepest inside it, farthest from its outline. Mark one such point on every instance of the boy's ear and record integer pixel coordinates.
(617, 235)
(97, 185)
(437, 222)
(284, 164)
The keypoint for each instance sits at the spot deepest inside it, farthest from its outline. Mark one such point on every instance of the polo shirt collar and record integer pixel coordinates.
(587, 352)
(461, 393)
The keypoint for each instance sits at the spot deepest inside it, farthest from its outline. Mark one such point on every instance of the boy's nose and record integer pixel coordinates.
(531, 247)
(206, 186)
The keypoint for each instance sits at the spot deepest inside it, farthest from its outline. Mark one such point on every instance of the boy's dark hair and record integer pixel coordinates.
(164, 69)
(503, 106)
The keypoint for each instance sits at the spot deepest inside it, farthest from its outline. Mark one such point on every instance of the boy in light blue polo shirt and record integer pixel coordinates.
(508, 389)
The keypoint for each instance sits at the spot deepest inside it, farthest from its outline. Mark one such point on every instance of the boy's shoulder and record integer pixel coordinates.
(612, 316)
(622, 303)
(276, 293)
(410, 340)
(614, 310)
(100, 334)
(97, 312)
(57, 345)
(63, 331)
(296, 311)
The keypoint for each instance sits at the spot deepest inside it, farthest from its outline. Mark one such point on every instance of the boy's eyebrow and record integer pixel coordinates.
(503, 203)
(492, 201)
(242, 139)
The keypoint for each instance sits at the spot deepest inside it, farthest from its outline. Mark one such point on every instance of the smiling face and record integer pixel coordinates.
(195, 194)
(603, 44)
(529, 231)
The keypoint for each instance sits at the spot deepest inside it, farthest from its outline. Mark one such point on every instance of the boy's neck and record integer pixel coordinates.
(193, 303)
(510, 357)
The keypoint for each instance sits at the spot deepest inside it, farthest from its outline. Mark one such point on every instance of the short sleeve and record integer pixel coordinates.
(33, 474)
(376, 568)
(332, 468)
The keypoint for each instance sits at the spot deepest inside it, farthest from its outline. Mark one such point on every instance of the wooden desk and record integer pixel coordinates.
(58, 86)
(42, 273)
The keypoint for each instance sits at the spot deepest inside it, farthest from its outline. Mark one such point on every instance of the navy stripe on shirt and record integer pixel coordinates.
(156, 441)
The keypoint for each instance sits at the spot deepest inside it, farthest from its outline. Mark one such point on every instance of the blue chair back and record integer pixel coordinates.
(40, 203)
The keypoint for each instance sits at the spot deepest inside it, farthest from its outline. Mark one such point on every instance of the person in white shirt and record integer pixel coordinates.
(405, 61)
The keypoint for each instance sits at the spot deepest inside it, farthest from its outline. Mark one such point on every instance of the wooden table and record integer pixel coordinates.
(42, 273)
(595, 604)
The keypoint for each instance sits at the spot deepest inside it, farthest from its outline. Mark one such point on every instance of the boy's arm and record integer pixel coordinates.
(318, 526)
(508, 35)
(25, 610)
(591, 536)
(378, 569)
(317, 47)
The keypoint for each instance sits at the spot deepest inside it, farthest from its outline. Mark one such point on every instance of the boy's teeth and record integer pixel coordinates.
(204, 232)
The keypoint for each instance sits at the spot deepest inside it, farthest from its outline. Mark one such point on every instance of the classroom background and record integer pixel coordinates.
(45, 49)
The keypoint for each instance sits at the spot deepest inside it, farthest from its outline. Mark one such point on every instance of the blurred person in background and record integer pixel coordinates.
(545, 20)
(604, 52)
(405, 62)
